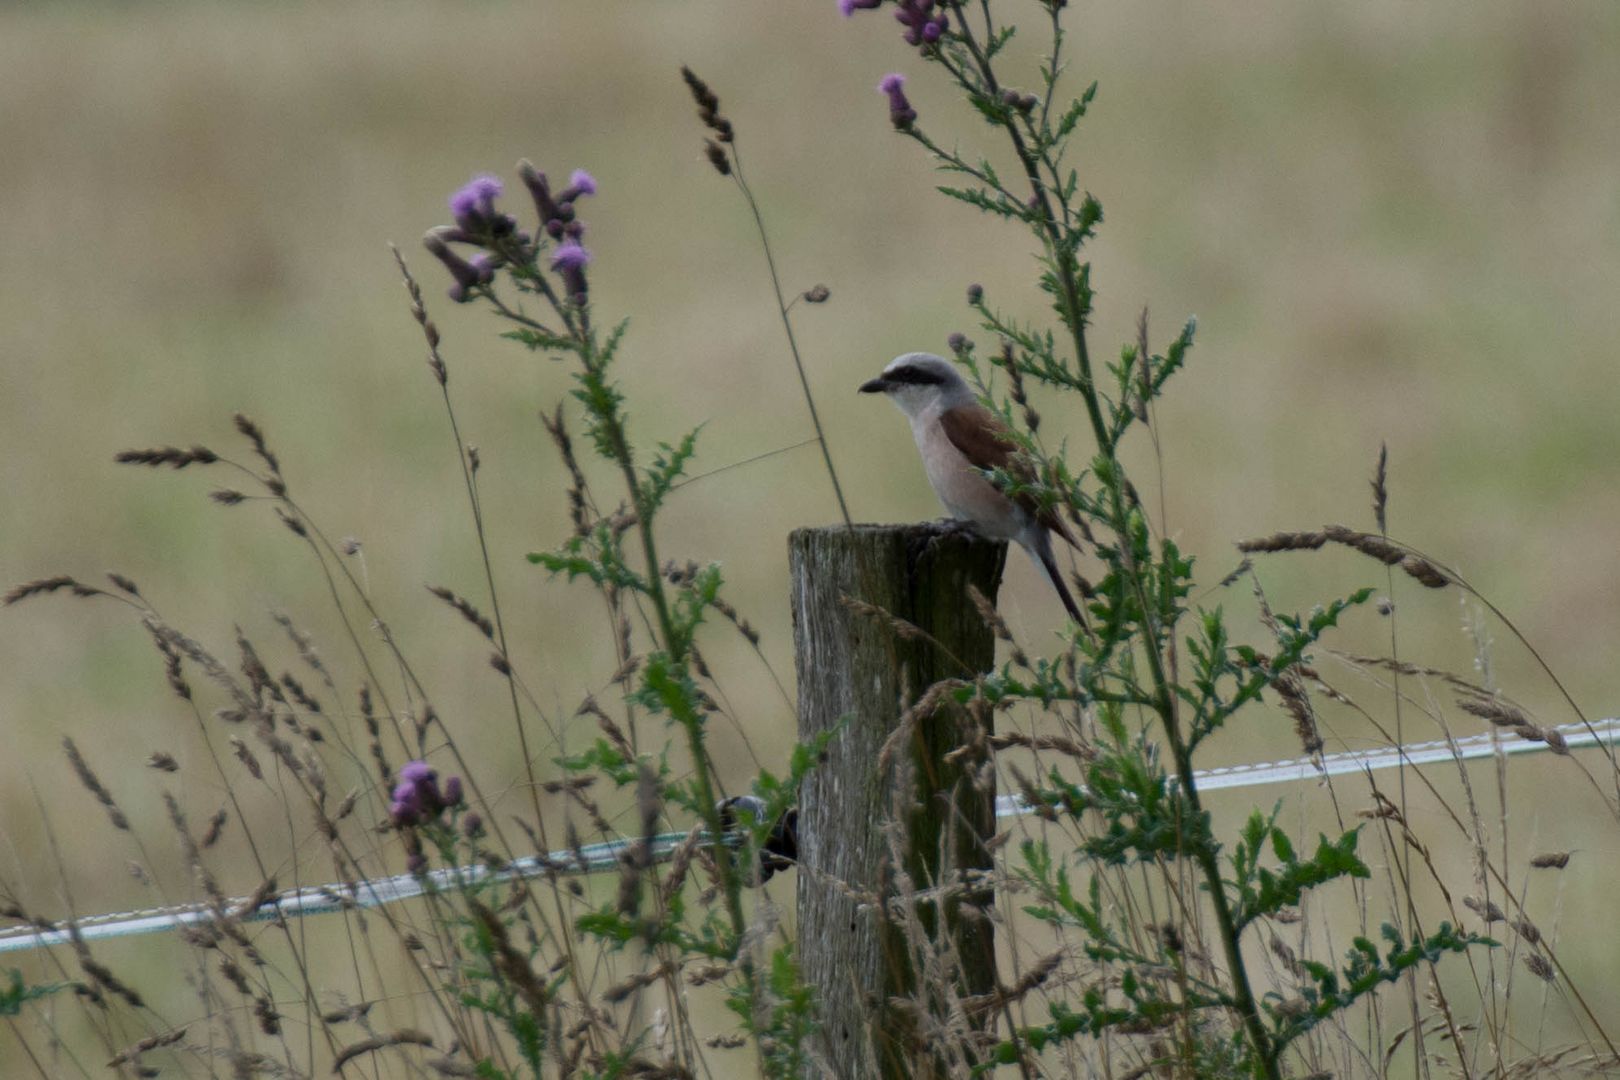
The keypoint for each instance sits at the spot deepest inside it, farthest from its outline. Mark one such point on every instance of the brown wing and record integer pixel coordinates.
(982, 438)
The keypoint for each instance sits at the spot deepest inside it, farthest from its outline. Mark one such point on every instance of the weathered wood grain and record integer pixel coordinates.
(852, 664)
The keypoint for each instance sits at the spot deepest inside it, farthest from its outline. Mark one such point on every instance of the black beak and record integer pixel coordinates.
(875, 386)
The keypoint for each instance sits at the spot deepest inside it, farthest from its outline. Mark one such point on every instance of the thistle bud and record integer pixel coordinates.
(539, 190)
(901, 114)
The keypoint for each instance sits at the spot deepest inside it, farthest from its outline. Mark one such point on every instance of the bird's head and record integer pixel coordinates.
(917, 381)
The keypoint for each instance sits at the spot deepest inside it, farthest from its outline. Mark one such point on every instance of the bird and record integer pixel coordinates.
(959, 440)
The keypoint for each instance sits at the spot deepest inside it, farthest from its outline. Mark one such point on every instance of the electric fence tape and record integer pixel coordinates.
(591, 858)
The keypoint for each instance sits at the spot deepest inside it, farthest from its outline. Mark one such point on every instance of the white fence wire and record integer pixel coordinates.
(591, 858)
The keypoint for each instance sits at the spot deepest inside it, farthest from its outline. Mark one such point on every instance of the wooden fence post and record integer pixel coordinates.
(854, 664)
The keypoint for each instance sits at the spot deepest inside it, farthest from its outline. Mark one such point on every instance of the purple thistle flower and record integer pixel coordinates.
(482, 264)
(579, 183)
(406, 807)
(415, 772)
(473, 204)
(901, 114)
(570, 255)
(850, 7)
(417, 799)
(923, 24)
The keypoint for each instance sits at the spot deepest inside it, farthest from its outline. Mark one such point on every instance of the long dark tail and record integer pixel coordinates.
(1042, 550)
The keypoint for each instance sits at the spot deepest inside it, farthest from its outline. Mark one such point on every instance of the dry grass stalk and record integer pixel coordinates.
(1379, 490)
(902, 629)
(1243, 567)
(348, 1013)
(368, 716)
(1425, 572)
(101, 975)
(1497, 710)
(466, 609)
(402, 1037)
(510, 964)
(255, 435)
(1290, 686)
(193, 854)
(933, 698)
(1283, 541)
(1377, 547)
(625, 672)
(1485, 909)
(1297, 703)
(151, 1042)
(172, 456)
(124, 584)
(998, 626)
(1059, 743)
(681, 862)
(1552, 860)
(265, 1012)
(608, 726)
(1401, 667)
(557, 428)
(1031, 794)
(93, 784)
(251, 904)
(246, 756)
(171, 664)
(640, 980)
(1539, 967)
(258, 677)
(707, 973)
(1031, 980)
(295, 525)
(162, 762)
(41, 586)
(435, 362)
(216, 826)
(1384, 550)
(210, 665)
(305, 647)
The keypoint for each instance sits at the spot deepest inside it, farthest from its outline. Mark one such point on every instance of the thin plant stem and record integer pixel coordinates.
(787, 326)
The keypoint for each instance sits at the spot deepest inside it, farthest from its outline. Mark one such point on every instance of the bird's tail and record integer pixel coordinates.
(1041, 547)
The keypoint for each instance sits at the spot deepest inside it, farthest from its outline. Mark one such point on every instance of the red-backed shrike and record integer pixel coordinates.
(959, 439)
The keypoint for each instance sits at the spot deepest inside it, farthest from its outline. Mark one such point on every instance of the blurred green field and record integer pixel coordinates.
(1394, 223)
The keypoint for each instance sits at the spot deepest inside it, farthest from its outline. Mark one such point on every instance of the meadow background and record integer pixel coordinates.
(1394, 223)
